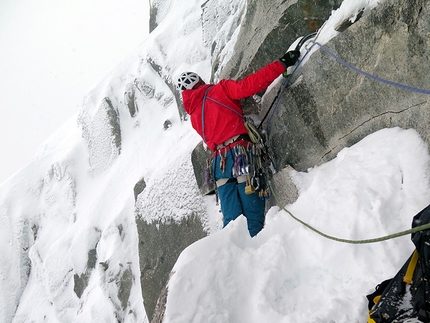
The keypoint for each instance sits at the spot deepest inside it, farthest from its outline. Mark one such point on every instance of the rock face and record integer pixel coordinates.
(200, 158)
(165, 230)
(159, 246)
(268, 29)
(331, 107)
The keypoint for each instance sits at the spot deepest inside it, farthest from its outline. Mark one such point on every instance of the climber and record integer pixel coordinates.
(216, 115)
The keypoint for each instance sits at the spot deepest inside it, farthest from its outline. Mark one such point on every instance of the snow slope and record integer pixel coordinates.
(68, 235)
(288, 273)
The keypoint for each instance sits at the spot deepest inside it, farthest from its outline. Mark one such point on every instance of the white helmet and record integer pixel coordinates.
(187, 81)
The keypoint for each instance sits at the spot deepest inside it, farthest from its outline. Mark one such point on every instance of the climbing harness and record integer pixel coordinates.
(252, 161)
(250, 165)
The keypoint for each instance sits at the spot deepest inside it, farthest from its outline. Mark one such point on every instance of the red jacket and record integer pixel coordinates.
(220, 123)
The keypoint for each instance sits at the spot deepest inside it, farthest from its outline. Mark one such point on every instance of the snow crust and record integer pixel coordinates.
(288, 273)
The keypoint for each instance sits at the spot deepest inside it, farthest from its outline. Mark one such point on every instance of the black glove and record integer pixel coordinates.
(290, 58)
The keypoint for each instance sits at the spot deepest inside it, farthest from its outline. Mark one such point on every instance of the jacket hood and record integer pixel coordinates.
(194, 98)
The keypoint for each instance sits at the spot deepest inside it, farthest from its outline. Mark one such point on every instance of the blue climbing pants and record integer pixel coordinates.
(234, 200)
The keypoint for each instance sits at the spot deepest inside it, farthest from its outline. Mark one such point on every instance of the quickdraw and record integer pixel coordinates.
(248, 163)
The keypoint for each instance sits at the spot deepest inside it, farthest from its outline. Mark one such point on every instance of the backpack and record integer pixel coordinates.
(406, 297)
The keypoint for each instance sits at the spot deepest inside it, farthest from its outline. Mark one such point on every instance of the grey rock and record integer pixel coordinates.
(270, 27)
(331, 107)
(81, 280)
(129, 100)
(200, 158)
(284, 191)
(138, 188)
(160, 244)
(124, 288)
(160, 307)
(80, 283)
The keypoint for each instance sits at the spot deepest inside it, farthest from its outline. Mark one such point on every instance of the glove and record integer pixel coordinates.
(290, 58)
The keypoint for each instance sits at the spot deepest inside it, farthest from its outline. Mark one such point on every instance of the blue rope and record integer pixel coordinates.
(289, 77)
(402, 86)
(226, 106)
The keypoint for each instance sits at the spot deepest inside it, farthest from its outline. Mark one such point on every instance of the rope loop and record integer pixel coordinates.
(349, 241)
(253, 132)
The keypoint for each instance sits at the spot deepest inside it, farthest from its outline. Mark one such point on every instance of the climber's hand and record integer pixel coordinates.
(290, 58)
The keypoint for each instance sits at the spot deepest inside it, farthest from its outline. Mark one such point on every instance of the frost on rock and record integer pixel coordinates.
(27, 230)
(60, 189)
(144, 87)
(158, 11)
(178, 192)
(15, 239)
(170, 215)
(220, 20)
(102, 133)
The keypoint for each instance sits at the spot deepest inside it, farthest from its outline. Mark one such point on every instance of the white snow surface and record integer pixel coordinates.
(288, 273)
(74, 198)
